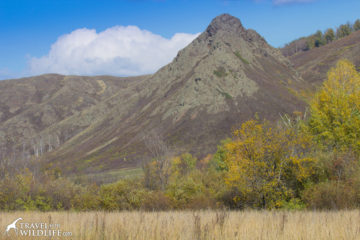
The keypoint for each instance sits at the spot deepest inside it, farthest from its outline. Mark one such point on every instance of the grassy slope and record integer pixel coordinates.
(108, 176)
(314, 64)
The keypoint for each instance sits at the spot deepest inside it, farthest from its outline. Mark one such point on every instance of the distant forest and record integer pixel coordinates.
(320, 38)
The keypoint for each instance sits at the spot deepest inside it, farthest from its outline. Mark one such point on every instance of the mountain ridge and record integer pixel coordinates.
(224, 77)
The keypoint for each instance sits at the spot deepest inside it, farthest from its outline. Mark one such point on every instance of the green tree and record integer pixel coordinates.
(218, 160)
(318, 39)
(343, 31)
(315, 40)
(356, 26)
(329, 35)
(310, 42)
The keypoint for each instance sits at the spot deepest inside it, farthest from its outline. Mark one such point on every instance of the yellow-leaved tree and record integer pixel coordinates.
(335, 109)
(267, 165)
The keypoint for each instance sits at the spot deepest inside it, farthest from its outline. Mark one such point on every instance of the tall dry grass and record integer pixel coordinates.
(197, 225)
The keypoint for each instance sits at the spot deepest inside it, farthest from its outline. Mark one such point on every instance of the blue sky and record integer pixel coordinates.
(92, 37)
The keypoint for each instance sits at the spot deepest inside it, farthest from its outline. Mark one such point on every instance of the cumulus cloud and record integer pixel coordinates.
(280, 2)
(119, 50)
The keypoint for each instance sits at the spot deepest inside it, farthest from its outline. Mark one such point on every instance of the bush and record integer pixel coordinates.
(220, 72)
(330, 195)
(122, 195)
(156, 201)
(202, 201)
(337, 181)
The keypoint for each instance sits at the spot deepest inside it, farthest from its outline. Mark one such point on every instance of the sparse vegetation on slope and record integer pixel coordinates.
(314, 64)
(237, 53)
(220, 72)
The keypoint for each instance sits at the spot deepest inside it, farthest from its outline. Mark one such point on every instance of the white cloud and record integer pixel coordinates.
(279, 2)
(118, 50)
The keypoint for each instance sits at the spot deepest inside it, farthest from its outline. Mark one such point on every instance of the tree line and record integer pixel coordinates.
(320, 38)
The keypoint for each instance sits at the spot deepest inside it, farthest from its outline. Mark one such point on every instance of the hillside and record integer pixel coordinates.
(224, 77)
(40, 114)
(315, 63)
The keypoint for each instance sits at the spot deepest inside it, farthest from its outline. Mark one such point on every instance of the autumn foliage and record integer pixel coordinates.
(335, 109)
(306, 160)
(268, 164)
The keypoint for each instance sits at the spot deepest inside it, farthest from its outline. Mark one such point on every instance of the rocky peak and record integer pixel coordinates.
(226, 23)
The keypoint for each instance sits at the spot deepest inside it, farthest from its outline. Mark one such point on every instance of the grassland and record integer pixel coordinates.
(109, 176)
(196, 225)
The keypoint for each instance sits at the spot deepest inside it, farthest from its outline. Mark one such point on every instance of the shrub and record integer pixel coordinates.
(220, 72)
(156, 201)
(122, 195)
(238, 55)
(330, 195)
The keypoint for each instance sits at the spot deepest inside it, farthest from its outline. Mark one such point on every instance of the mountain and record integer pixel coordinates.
(40, 114)
(227, 75)
(315, 63)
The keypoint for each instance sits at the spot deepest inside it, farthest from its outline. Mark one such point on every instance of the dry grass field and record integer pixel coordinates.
(192, 225)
